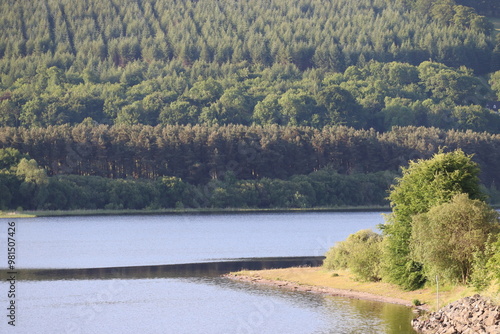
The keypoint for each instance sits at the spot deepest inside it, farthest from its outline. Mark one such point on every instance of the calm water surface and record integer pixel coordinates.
(183, 305)
(89, 242)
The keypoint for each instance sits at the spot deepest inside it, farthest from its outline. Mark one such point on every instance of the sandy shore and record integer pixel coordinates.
(256, 279)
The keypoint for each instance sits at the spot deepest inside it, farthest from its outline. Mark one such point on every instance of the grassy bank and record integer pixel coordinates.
(103, 212)
(319, 277)
(14, 214)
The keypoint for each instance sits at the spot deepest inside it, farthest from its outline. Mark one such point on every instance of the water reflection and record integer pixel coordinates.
(210, 269)
(361, 315)
(338, 315)
(209, 305)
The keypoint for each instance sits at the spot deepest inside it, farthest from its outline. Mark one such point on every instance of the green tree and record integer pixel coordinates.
(33, 189)
(476, 118)
(179, 112)
(445, 238)
(204, 92)
(423, 184)
(31, 172)
(9, 159)
(268, 111)
(341, 107)
(297, 108)
(234, 106)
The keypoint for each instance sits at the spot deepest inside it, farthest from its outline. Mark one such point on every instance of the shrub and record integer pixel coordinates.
(360, 253)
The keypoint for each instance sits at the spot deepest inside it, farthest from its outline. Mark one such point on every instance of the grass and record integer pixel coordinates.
(14, 214)
(344, 280)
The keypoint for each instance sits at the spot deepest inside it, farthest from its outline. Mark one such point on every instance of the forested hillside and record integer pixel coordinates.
(244, 62)
(268, 103)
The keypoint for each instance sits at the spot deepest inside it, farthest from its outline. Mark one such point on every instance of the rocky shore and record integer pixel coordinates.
(470, 315)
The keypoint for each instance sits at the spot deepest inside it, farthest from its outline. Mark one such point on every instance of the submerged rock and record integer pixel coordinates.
(473, 314)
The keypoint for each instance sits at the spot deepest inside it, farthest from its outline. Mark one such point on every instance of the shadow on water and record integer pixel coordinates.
(210, 269)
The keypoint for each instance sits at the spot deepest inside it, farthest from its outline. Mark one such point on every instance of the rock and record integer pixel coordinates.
(469, 315)
(489, 320)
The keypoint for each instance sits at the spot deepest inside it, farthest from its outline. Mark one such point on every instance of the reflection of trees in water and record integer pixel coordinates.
(204, 269)
(367, 317)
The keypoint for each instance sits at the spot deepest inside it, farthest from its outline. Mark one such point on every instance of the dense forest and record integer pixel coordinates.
(375, 95)
(248, 103)
(309, 62)
(230, 166)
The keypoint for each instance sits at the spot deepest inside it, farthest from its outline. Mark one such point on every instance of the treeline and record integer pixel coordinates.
(374, 95)
(198, 154)
(25, 185)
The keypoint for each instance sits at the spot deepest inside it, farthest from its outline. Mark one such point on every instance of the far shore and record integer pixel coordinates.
(343, 284)
(106, 212)
(185, 211)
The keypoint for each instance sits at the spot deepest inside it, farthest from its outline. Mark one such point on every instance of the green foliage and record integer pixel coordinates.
(495, 83)
(9, 191)
(445, 238)
(423, 185)
(493, 262)
(481, 277)
(29, 171)
(9, 159)
(484, 7)
(372, 95)
(360, 253)
(197, 154)
(194, 62)
(272, 166)
(340, 106)
(33, 189)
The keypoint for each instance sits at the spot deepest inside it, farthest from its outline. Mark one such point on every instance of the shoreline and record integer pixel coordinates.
(328, 291)
(105, 212)
(343, 283)
(131, 212)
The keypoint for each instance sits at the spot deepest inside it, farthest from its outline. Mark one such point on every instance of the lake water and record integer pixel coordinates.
(209, 305)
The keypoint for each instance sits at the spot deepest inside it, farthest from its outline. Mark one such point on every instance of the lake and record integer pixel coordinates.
(197, 304)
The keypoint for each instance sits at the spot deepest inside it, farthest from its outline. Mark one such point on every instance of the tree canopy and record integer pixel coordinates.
(423, 185)
(190, 62)
(445, 238)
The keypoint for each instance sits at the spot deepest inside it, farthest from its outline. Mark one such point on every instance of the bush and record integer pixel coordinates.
(360, 253)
